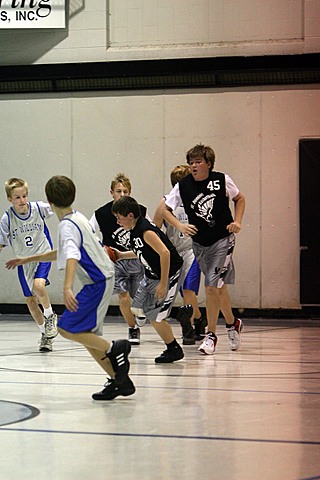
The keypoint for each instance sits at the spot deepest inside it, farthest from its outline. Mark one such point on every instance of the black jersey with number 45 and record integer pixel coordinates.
(207, 205)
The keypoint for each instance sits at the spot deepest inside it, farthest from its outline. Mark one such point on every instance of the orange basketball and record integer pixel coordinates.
(111, 253)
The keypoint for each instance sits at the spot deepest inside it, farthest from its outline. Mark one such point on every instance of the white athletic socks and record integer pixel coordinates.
(47, 311)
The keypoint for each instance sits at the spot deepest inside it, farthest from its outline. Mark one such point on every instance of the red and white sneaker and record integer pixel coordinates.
(234, 334)
(208, 346)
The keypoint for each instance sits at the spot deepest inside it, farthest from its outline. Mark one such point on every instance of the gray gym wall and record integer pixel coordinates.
(91, 137)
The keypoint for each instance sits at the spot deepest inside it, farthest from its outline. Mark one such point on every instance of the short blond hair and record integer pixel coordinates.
(121, 178)
(13, 183)
(178, 173)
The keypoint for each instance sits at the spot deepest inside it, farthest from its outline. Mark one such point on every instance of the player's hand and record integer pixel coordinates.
(160, 291)
(10, 264)
(234, 227)
(70, 300)
(117, 253)
(187, 229)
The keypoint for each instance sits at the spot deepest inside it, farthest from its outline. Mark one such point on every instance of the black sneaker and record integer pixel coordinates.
(113, 390)
(189, 338)
(170, 355)
(119, 359)
(134, 336)
(184, 315)
(200, 328)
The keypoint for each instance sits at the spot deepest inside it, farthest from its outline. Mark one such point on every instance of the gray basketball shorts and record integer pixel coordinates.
(216, 261)
(146, 300)
(128, 275)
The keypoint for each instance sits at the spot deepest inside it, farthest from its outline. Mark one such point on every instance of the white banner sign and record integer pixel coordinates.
(32, 14)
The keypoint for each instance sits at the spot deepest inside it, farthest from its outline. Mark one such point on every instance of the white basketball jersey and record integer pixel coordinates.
(180, 241)
(76, 239)
(28, 234)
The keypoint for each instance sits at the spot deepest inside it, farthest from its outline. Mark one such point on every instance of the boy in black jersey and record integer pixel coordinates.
(162, 265)
(205, 195)
(194, 328)
(129, 273)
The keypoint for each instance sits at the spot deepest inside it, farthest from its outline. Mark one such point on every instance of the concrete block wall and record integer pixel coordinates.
(155, 29)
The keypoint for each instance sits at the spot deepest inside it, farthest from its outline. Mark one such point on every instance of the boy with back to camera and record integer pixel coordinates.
(193, 329)
(128, 272)
(23, 227)
(205, 195)
(81, 253)
(162, 265)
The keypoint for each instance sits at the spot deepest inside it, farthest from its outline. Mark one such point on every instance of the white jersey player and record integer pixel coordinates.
(23, 227)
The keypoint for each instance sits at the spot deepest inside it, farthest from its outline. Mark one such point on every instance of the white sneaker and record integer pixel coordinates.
(139, 315)
(234, 334)
(51, 329)
(141, 320)
(208, 346)
(45, 344)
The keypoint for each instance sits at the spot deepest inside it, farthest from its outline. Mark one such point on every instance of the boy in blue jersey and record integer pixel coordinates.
(23, 227)
(81, 253)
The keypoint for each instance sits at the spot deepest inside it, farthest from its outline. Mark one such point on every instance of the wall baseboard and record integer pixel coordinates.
(254, 313)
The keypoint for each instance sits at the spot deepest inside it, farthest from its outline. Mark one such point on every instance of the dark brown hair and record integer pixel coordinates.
(126, 205)
(60, 191)
(201, 151)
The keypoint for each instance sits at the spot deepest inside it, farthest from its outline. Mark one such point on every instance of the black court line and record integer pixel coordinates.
(29, 412)
(163, 436)
(260, 376)
(154, 387)
(40, 354)
(311, 478)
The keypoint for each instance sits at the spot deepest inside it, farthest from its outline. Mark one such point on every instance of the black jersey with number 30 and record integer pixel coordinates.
(112, 234)
(148, 257)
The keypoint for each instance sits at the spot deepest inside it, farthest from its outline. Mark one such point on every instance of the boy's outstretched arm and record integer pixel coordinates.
(127, 255)
(41, 257)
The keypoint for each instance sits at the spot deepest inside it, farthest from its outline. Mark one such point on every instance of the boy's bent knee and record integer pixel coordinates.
(211, 289)
(32, 301)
